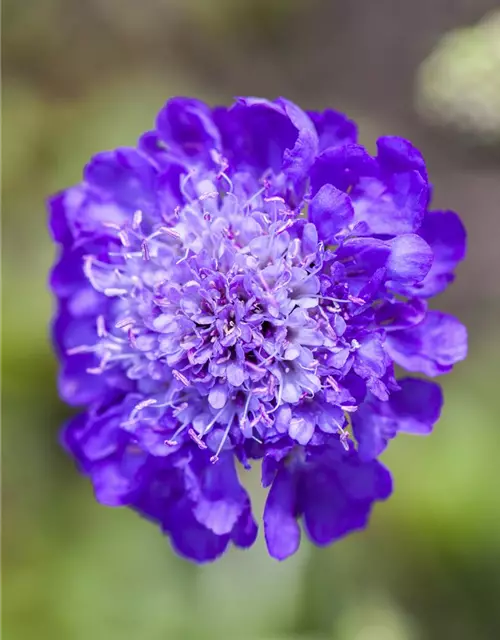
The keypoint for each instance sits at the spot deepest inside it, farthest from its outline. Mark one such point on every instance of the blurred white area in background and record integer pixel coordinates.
(458, 85)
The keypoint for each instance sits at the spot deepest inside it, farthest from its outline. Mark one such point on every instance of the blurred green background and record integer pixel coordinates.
(82, 76)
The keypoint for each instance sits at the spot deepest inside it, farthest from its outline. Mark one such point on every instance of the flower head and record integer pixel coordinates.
(239, 287)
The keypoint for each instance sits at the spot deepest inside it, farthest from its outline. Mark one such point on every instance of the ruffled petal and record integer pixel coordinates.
(298, 159)
(410, 259)
(328, 513)
(342, 167)
(415, 408)
(331, 211)
(187, 126)
(116, 479)
(190, 538)
(446, 235)
(338, 494)
(364, 481)
(245, 532)
(391, 205)
(125, 174)
(417, 405)
(67, 275)
(269, 135)
(218, 498)
(397, 155)
(400, 315)
(75, 385)
(281, 529)
(371, 358)
(58, 224)
(333, 128)
(431, 347)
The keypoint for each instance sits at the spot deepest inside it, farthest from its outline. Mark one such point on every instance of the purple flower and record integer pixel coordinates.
(237, 288)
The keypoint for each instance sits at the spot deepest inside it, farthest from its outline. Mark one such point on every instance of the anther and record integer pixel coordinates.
(83, 348)
(344, 437)
(137, 220)
(194, 436)
(101, 327)
(210, 194)
(184, 257)
(145, 250)
(170, 232)
(180, 409)
(131, 338)
(139, 407)
(124, 323)
(215, 457)
(333, 383)
(274, 199)
(114, 291)
(223, 175)
(124, 239)
(284, 227)
(180, 377)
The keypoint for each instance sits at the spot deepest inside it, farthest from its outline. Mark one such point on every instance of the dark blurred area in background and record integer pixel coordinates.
(82, 76)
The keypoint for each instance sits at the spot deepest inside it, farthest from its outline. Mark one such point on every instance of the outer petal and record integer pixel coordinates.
(431, 347)
(67, 275)
(280, 525)
(116, 479)
(342, 167)
(79, 213)
(163, 499)
(399, 155)
(364, 256)
(127, 176)
(328, 512)
(338, 493)
(102, 437)
(117, 183)
(264, 134)
(190, 538)
(57, 218)
(276, 452)
(187, 126)
(415, 408)
(446, 235)
(331, 211)
(400, 315)
(371, 358)
(410, 259)
(364, 481)
(334, 128)
(406, 258)
(391, 205)
(71, 434)
(76, 386)
(245, 532)
(104, 453)
(218, 498)
(417, 404)
(299, 159)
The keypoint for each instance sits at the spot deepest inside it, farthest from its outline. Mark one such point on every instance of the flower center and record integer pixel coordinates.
(220, 318)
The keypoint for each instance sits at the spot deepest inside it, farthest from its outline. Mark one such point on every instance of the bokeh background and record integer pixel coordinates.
(80, 76)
